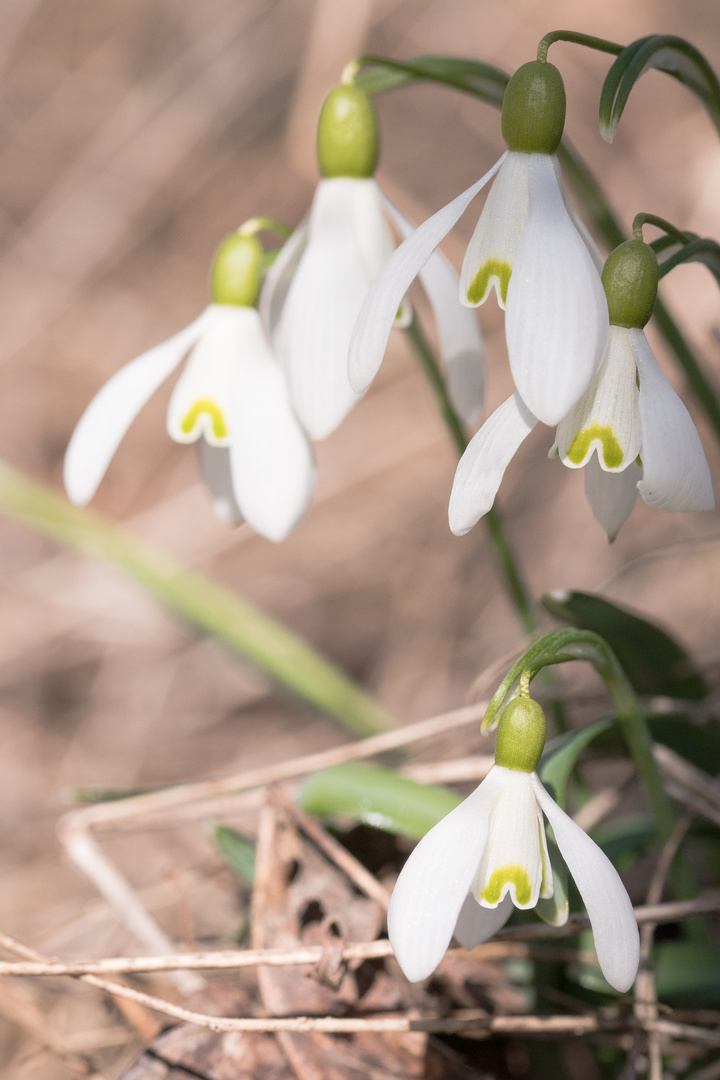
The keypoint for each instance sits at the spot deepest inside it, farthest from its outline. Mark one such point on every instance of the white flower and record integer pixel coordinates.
(528, 247)
(315, 289)
(630, 429)
(490, 853)
(232, 394)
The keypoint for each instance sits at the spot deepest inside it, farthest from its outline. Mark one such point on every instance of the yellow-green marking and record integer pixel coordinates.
(500, 270)
(205, 405)
(612, 451)
(508, 875)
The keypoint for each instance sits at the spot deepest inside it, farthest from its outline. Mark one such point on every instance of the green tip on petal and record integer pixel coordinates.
(533, 109)
(611, 450)
(630, 280)
(348, 143)
(508, 875)
(235, 276)
(520, 735)
(494, 271)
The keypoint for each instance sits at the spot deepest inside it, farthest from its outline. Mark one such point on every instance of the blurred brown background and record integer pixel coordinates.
(134, 134)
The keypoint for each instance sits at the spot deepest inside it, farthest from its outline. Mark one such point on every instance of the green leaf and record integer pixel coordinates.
(652, 660)
(281, 655)
(688, 971)
(237, 851)
(378, 797)
(702, 250)
(560, 756)
(667, 53)
(483, 80)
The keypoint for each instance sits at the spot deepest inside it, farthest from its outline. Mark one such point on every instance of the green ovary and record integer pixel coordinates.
(204, 405)
(612, 451)
(493, 268)
(508, 875)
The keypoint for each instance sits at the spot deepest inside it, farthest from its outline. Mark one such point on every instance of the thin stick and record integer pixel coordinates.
(508, 942)
(106, 814)
(342, 858)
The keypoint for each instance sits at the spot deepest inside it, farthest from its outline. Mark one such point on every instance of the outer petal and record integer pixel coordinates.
(435, 880)
(557, 319)
(279, 277)
(319, 313)
(617, 941)
(461, 344)
(514, 860)
(201, 401)
(477, 924)
(483, 464)
(490, 256)
(595, 253)
(110, 413)
(611, 495)
(381, 305)
(607, 416)
(273, 473)
(675, 473)
(216, 474)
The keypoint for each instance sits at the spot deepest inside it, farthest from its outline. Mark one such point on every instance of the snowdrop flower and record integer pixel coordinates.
(231, 396)
(490, 853)
(314, 290)
(630, 429)
(527, 245)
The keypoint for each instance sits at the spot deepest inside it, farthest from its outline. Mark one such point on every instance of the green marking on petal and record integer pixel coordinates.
(508, 875)
(612, 451)
(498, 269)
(204, 405)
(546, 869)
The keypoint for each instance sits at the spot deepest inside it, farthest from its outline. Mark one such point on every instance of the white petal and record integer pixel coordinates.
(675, 472)
(278, 278)
(483, 464)
(607, 416)
(617, 941)
(319, 313)
(461, 345)
(371, 228)
(216, 474)
(490, 256)
(514, 860)
(611, 495)
(477, 924)
(273, 473)
(595, 253)
(380, 308)
(112, 410)
(557, 319)
(201, 401)
(435, 881)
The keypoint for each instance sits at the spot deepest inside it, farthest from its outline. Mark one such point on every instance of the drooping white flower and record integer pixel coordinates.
(630, 429)
(232, 396)
(489, 854)
(316, 287)
(528, 246)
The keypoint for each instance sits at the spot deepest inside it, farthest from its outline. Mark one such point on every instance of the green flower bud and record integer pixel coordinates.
(348, 143)
(533, 109)
(630, 280)
(235, 275)
(520, 735)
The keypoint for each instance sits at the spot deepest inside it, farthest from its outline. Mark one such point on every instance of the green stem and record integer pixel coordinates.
(270, 224)
(660, 223)
(512, 577)
(286, 659)
(601, 44)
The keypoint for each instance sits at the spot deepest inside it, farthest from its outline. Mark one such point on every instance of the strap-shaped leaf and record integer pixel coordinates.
(483, 80)
(667, 53)
(702, 250)
(561, 755)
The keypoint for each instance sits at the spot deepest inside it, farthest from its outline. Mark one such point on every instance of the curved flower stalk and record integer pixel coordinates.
(316, 287)
(630, 429)
(231, 396)
(490, 853)
(528, 245)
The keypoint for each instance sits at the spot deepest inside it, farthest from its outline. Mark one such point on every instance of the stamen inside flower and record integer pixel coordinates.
(514, 876)
(609, 447)
(209, 408)
(492, 272)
